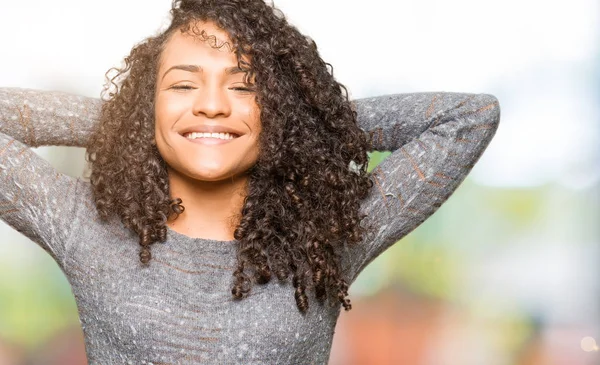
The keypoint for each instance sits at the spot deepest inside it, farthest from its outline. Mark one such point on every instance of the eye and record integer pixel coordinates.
(181, 87)
(244, 89)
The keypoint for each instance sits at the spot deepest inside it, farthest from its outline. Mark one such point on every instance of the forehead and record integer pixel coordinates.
(202, 40)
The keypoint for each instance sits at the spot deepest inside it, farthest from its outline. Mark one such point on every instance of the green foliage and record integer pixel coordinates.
(37, 305)
(375, 158)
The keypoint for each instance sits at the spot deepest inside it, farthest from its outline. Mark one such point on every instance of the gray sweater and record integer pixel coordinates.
(179, 309)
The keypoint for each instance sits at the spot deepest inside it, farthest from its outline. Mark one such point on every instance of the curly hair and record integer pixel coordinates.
(303, 193)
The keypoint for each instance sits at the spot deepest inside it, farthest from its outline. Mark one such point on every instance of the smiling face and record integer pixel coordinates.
(199, 89)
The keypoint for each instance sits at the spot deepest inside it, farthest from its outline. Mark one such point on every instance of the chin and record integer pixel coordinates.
(212, 176)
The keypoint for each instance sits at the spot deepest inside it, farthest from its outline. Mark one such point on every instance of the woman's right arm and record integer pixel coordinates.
(35, 199)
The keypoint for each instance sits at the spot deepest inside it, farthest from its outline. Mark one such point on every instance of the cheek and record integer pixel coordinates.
(166, 113)
(254, 122)
(160, 113)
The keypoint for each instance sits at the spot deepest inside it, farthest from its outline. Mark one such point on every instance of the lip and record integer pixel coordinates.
(208, 128)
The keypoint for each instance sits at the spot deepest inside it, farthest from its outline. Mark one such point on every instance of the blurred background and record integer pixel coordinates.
(505, 272)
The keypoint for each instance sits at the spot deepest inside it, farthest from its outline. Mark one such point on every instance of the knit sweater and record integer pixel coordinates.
(179, 309)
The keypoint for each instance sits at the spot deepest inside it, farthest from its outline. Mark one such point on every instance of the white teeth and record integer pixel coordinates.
(195, 135)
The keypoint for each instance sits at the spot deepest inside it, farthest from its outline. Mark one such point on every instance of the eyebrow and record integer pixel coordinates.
(195, 68)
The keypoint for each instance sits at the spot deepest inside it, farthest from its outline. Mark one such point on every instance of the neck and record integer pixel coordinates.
(212, 208)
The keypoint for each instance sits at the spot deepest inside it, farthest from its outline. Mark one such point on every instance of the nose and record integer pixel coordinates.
(212, 101)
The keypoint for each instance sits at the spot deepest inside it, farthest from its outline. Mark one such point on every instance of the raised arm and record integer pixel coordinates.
(435, 138)
(47, 118)
(35, 199)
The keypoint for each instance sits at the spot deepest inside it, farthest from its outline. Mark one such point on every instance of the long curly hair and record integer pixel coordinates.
(303, 193)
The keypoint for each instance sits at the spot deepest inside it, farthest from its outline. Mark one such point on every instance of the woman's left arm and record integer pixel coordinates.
(435, 138)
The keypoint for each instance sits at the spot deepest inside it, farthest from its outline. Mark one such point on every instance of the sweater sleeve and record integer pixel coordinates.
(35, 199)
(435, 139)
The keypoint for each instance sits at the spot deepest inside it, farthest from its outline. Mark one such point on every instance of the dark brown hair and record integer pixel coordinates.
(304, 192)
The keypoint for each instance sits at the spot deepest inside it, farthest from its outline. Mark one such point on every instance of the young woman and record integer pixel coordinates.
(226, 140)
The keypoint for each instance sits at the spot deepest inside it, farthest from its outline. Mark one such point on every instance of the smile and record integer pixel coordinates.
(210, 138)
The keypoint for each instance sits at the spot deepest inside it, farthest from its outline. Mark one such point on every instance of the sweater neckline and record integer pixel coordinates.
(181, 236)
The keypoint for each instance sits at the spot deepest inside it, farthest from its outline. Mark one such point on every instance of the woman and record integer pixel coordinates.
(227, 140)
